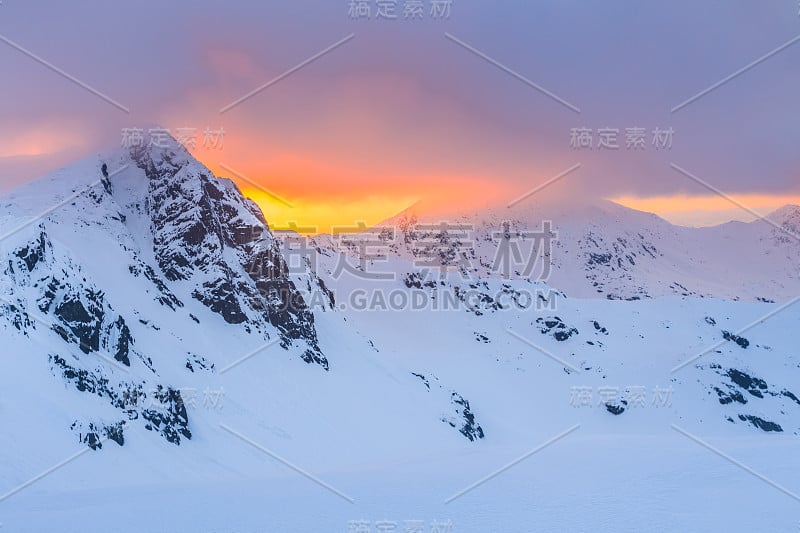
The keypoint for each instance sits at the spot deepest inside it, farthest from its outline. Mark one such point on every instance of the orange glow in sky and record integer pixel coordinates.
(351, 211)
(315, 197)
(317, 215)
(707, 210)
(39, 141)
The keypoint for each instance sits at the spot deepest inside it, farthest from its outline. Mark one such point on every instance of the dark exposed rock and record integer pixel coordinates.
(33, 253)
(470, 429)
(616, 408)
(165, 411)
(118, 335)
(204, 229)
(741, 341)
(599, 259)
(279, 300)
(115, 433)
(17, 317)
(122, 396)
(92, 439)
(464, 419)
(166, 296)
(791, 396)
(477, 301)
(193, 361)
(95, 434)
(557, 327)
(82, 320)
(220, 296)
(49, 295)
(423, 378)
(171, 421)
(79, 310)
(730, 396)
(480, 337)
(731, 392)
(760, 423)
(327, 292)
(754, 386)
(414, 280)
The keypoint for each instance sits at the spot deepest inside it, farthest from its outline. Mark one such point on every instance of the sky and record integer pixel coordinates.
(362, 117)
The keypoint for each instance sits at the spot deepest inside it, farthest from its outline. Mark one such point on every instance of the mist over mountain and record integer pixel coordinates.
(601, 249)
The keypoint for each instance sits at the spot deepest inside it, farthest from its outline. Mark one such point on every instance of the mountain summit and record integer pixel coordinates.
(601, 249)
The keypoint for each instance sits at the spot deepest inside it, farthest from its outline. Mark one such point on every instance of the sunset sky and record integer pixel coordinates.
(401, 113)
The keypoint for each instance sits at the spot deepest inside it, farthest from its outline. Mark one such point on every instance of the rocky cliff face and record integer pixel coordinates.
(50, 291)
(209, 235)
(92, 284)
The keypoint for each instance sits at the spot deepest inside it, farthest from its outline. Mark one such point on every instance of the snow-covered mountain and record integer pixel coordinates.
(212, 369)
(602, 249)
(153, 278)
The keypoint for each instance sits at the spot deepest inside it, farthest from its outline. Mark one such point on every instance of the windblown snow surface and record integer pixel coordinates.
(170, 365)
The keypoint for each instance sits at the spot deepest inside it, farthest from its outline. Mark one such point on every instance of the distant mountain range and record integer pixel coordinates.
(604, 250)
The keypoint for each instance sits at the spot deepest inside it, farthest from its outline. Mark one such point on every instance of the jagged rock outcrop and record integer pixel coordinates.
(206, 233)
(460, 416)
(183, 236)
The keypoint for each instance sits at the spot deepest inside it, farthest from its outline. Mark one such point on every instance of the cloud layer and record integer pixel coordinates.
(402, 112)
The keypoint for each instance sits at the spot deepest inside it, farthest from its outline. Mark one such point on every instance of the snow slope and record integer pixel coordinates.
(169, 366)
